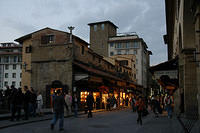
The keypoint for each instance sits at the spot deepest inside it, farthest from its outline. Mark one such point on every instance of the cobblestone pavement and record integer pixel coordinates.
(123, 121)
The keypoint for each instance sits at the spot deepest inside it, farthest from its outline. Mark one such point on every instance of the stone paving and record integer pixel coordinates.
(119, 121)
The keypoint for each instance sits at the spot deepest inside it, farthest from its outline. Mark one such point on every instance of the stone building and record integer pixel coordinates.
(52, 62)
(10, 65)
(105, 41)
(182, 39)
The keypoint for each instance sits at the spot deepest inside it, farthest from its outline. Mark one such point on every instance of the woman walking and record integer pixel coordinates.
(140, 107)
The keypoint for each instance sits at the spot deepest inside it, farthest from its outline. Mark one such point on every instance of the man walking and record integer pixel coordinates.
(90, 102)
(58, 110)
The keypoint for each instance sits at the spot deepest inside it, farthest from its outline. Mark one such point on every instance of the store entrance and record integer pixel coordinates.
(52, 89)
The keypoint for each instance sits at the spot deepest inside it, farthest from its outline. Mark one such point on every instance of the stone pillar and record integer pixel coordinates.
(190, 88)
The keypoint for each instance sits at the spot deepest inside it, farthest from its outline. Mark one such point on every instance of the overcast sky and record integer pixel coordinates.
(146, 17)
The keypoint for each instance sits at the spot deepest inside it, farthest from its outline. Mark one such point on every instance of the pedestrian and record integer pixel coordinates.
(1, 98)
(19, 103)
(90, 102)
(27, 96)
(108, 103)
(155, 104)
(58, 110)
(33, 102)
(140, 107)
(133, 103)
(68, 101)
(168, 104)
(13, 99)
(75, 105)
(39, 103)
(7, 96)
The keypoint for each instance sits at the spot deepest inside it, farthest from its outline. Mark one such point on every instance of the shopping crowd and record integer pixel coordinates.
(158, 104)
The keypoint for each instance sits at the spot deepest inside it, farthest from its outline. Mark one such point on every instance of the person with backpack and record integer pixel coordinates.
(168, 104)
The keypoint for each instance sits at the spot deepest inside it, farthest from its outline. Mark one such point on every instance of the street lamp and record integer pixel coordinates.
(70, 29)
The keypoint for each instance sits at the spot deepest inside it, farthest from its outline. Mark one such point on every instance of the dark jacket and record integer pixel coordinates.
(13, 96)
(20, 98)
(58, 104)
(27, 96)
(90, 102)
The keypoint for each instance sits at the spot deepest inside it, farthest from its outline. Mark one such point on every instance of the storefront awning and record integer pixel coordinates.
(95, 71)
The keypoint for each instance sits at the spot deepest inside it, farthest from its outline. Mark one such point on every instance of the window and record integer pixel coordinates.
(95, 27)
(127, 45)
(111, 53)
(102, 26)
(13, 75)
(99, 60)
(119, 52)
(6, 75)
(111, 44)
(15, 59)
(119, 45)
(13, 83)
(123, 63)
(28, 49)
(14, 66)
(6, 66)
(46, 39)
(136, 61)
(20, 75)
(127, 52)
(21, 66)
(5, 83)
(6, 59)
(102, 45)
(136, 45)
(19, 58)
(135, 52)
(82, 50)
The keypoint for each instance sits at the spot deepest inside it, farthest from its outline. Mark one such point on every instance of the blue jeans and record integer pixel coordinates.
(76, 110)
(57, 116)
(169, 110)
